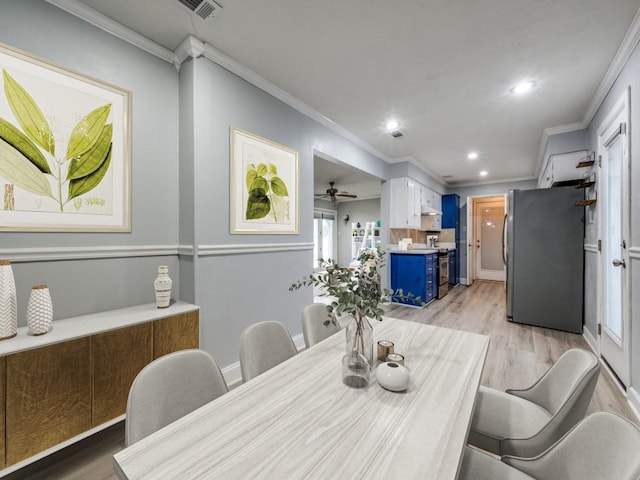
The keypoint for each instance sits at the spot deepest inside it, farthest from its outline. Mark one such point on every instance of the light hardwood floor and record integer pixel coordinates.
(518, 355)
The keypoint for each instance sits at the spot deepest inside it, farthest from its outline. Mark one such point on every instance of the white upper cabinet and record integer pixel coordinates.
(405, 203)
(561, 169)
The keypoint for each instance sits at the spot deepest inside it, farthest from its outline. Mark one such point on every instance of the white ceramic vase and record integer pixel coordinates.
(162, 285)
(8, 304)
(39, 311)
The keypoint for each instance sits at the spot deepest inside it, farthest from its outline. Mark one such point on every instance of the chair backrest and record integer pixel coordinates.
(264, 345)
(603, 445)
(314, 318)
(565, 390)
(169, 388)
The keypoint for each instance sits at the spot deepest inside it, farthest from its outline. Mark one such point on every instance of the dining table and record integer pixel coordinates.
(299, 420)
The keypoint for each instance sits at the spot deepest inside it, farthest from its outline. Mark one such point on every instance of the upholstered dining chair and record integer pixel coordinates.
(168, 388)
(526, 422)
(264, 345)
(314, 329)
(602, 446)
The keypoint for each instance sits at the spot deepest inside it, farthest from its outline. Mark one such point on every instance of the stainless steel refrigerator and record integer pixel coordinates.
(544, 256)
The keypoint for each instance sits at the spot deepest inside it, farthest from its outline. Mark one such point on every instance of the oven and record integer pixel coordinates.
(443, 272)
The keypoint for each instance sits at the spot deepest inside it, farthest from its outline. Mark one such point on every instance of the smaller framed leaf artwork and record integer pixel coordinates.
(264, 185)
(65, 149)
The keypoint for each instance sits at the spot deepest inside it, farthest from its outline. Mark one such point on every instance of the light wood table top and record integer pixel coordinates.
(299, 421)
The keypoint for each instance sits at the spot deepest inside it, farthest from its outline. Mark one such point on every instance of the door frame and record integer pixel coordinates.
(477, 232)
(620, 109)
(471, 237)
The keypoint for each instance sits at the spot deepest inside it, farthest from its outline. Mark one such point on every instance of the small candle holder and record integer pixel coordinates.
(385, 347)
(395, 358)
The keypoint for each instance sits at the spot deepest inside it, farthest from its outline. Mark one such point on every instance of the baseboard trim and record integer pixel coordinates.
(233, 375)
(85, 253)
(591, 340)
(633, 398)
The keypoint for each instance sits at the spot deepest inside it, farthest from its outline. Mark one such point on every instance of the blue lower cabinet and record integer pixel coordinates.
(414, 274)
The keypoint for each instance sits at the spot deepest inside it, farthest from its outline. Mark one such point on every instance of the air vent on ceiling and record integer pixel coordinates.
(397, 134)
(203, 8)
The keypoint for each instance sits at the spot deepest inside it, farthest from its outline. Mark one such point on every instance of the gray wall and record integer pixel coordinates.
(564, 143)
(629, 77)
(359, 211)
(237, 290)
(92, 285)
(480, 191)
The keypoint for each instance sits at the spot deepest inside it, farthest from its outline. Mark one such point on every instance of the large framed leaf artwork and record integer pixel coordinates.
(65, 149)
(264, 185)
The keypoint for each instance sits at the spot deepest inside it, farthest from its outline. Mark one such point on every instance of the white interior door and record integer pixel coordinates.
(489, 216)
(613, 150)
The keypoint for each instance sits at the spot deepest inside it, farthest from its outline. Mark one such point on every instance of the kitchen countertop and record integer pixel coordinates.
(416, 251)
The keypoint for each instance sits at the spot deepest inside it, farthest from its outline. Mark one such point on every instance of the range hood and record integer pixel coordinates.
(429, 210)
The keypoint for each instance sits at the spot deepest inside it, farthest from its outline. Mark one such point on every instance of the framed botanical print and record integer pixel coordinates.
(65, 149)
(264, 185)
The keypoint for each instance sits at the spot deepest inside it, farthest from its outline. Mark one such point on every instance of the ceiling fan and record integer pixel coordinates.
(333, 194)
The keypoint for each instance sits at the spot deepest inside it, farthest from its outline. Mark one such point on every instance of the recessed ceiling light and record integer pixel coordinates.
(392, 125)
(523, 87)
(472, 155)
(484, 173)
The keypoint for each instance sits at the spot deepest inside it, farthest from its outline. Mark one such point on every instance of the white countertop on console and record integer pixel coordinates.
(85, 325)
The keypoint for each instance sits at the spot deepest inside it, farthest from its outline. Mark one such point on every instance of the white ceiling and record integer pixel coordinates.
(443, 68)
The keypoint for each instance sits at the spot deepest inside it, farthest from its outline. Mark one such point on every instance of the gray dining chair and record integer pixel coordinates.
(602, 446)
(314, 324)
(264, 345)
(526, 422)
(169, 388)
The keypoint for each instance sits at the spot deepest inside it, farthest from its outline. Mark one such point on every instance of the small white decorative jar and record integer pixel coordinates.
(39, 311)
(8, 304)
(393, 376)
(162, 285)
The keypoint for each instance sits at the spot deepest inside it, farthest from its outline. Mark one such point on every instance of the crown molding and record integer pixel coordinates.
(228, 63)
(491, 182)
(85, 253)
(190, 47)
(629, 43)
(107, 24)
(548, 132)
(410, 159)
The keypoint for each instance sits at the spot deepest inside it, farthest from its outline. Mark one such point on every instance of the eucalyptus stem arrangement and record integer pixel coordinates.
(355, 291)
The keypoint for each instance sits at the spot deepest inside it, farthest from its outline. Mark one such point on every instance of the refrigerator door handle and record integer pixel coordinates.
(504, 239)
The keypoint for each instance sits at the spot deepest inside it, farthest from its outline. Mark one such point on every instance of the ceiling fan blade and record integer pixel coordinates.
(349, 195)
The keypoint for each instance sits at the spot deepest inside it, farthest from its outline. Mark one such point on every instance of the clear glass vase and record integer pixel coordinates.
(356, 370)
(359, 336)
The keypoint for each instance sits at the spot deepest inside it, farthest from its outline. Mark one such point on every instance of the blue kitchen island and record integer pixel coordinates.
(415, 272)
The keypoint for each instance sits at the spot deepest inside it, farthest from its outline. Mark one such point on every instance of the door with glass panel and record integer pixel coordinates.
(324, 236)
(489, 219)
(613, 153)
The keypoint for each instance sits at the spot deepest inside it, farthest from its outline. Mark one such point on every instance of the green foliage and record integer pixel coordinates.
(88, 131)
(24, 145)
(28, 114)
(17, 168)
(266, 192)
(23, 163)
(83, 185)
(356, 290)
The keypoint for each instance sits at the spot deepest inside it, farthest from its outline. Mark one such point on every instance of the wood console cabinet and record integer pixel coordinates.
(63, 386)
